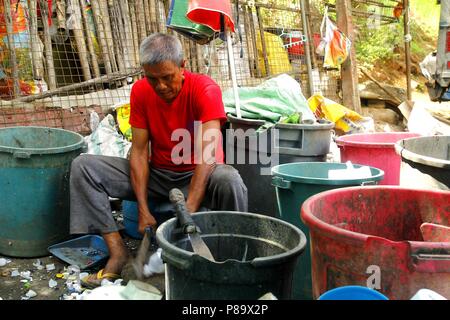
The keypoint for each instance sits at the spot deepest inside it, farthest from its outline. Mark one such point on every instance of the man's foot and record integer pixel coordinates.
(95, 280)
(111, 272)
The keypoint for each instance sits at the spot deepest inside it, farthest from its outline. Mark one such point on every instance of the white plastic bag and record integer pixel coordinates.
(155, 264)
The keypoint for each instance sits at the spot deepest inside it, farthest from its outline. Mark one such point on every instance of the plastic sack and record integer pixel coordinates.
(335, 44)
(344, 119)
(123, 118)
(271, 100)
(106, 141)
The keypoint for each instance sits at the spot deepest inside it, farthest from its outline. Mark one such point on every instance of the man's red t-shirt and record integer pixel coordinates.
(200, 99)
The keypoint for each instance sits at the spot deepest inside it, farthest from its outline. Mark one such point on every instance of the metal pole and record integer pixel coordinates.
(233, 72)
(407, 50)
(307, 48)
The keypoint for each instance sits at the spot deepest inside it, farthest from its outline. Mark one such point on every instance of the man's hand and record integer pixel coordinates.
(146, 219)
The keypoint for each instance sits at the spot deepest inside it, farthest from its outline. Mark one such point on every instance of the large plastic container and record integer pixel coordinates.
(372, 236)
(376, 150)
(254, 254)
(34, 188)
(260, 151)
(294, 183)
(352, 293)
(428, 155)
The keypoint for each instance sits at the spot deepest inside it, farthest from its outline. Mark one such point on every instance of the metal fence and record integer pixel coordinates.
(62, 59)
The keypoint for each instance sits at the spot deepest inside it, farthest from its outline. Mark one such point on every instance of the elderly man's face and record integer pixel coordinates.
(166, 78)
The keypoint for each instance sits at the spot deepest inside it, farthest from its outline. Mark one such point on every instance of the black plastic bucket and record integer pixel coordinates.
(255, 254)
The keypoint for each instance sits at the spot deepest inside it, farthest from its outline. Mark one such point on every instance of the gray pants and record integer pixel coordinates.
(93, 179)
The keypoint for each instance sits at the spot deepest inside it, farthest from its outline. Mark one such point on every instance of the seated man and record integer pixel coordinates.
(179, 114)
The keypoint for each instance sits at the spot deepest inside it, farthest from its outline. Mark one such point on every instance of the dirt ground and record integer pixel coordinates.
(16, 287)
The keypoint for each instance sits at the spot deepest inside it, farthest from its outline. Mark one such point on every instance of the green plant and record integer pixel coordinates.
(377, 44)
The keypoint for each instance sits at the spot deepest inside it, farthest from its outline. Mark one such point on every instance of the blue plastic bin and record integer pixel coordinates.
(352, 293)
(87, 252)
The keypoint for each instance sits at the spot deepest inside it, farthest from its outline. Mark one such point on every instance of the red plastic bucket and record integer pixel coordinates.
(372, 237)
(375, 150)
(208, 13)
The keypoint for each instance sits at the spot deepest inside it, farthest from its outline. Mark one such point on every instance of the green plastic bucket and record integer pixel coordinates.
(296, 182)
(34, 188)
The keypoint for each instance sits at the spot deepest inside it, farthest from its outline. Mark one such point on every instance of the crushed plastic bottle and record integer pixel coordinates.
(50, 267)
(4, 262)
(26, 275)
(38, 264)
(52, 283)
(31, 294)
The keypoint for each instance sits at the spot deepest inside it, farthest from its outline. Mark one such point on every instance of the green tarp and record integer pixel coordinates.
(270, 101)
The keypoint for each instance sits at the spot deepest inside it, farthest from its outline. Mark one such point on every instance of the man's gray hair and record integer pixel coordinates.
(160, 47)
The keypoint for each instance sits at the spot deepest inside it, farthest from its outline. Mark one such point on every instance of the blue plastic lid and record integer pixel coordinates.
(353, 293)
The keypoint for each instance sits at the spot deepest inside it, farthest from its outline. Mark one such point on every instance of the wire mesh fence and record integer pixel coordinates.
(60, 60)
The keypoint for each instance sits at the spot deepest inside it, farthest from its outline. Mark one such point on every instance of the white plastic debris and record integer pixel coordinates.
(350, 172)
(138, 290)
(268, 296)
(73, 287)
(31, 294)
(4, 262)
(38, 264)
(83, 275)
(428, 66)
(50, 267)
(73, 269)
(26, 275)
(106, 282)
(106, 293)
(427, 294)
(94, 120)
(52, 283)
(15, 273)
(155, 264)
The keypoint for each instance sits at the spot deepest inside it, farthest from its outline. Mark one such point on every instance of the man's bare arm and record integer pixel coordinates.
(139, 172)
(206, 143)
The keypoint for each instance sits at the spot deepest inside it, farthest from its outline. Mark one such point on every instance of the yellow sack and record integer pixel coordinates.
(344, 118)
(123, 118)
